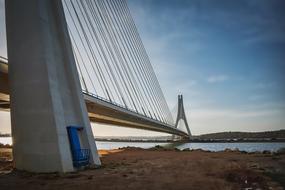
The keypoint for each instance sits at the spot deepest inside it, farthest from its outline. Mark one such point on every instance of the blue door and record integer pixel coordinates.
(73, 138)
(80, 157)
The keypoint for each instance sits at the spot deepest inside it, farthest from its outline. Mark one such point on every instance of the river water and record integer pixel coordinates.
(243, 146)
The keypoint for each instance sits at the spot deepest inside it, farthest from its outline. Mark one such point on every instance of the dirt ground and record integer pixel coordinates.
(157, 169)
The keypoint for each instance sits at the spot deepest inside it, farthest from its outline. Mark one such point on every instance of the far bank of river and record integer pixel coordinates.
(242, 146)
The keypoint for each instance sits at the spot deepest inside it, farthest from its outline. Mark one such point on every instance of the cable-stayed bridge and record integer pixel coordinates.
(100, 110)
(59, 49)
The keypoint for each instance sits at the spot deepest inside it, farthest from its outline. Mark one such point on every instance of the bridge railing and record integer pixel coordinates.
(5, 60)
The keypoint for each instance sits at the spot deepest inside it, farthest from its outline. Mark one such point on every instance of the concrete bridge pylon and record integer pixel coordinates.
(182, 116)
(45, 92)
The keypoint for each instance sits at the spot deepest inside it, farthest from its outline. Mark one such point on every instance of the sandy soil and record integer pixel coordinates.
(158, 169)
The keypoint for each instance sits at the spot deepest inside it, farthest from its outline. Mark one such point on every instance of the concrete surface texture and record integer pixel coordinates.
(45, 91)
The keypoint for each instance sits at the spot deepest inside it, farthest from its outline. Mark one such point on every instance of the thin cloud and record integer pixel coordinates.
(265, 85)
(231, 113)
(217, 78)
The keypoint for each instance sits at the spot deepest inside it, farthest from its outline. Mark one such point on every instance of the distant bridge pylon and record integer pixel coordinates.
(181, 115)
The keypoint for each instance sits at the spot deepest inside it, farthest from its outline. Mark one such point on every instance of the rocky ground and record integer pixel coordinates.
(158, 168)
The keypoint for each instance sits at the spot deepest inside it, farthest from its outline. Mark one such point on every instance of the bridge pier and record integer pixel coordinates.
(45, 91)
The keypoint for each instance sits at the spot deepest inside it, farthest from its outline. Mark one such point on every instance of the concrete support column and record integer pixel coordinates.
(45, 91)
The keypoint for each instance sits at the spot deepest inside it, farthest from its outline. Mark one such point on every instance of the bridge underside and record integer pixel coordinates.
(104, 112)
(99, 110)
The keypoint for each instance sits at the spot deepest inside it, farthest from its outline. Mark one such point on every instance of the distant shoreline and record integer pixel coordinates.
(221, 137)
(5, 135)
(195, 141)
(187, 141)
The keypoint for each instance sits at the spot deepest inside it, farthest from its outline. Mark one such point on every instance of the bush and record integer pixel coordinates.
(281, 151)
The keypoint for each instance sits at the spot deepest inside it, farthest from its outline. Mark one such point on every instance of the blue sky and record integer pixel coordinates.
(225, 56)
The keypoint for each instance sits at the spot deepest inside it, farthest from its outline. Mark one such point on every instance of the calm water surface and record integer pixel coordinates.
(249, 147)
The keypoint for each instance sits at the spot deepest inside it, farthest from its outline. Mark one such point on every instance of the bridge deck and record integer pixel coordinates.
(99, 110)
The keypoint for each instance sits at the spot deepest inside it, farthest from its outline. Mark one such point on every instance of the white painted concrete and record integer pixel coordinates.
(45, 92)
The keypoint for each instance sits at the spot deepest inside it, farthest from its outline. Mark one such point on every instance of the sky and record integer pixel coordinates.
(225, 56)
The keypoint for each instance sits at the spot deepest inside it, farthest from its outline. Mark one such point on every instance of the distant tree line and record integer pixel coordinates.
(5, 135)
(244, 135)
